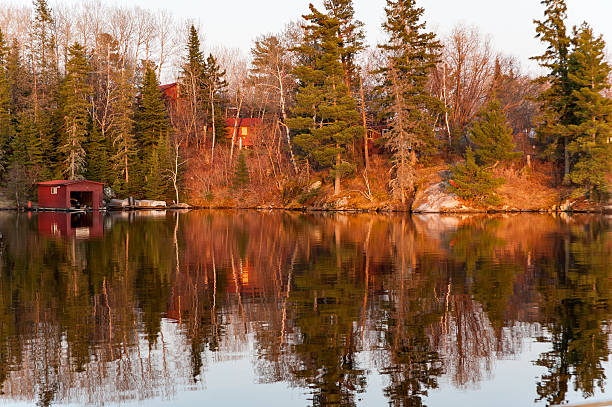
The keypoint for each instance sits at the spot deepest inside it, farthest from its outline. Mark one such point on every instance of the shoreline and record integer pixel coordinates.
(600, 211)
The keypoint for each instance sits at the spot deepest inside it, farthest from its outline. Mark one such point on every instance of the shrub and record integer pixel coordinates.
(474, 183)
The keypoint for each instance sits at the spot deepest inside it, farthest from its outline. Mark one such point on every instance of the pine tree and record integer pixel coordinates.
(475, 183)
(351, 35)
(411, 55)
(192, 85)
(96, 151)
(492, 136)
(6, 125)
(241, 172)
(20, 83)
(75, 94)
(555, 110)
(25, 145)
(326, 119)
(45, 78)
(124, 144)
(151, 125)
(26, 164)
(591, 144)
(214, 84)
(158, 179)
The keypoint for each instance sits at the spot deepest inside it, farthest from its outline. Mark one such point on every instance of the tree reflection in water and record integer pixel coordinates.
(320, 302)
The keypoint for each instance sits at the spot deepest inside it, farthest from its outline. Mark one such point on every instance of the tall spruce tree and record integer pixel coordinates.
(492, 136)
(26, 152)
(75, 97)
(152, 125)
(555, 109)
(158, 178)
(45, 78)
(215, 85)
(352, 37)
(19, 79)
(326, 119)
(6, 124)
(411, 53)
(97, 156)
(124, 144)
(591, 136)
(192, 85)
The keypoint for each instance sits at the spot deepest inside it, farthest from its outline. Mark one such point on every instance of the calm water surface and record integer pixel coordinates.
(287, 309)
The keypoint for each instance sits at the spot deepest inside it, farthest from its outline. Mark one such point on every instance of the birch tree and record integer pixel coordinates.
(272, 69)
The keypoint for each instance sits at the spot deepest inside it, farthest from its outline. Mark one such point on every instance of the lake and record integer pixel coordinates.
(246, 308)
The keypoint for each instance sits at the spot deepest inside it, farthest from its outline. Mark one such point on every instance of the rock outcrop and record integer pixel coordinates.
(436, 199)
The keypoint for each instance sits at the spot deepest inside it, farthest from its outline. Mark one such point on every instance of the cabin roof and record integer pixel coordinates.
(244, 122)
(67, 182)
(167, 86)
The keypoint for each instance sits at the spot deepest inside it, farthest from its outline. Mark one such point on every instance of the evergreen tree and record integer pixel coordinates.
(45, 79)
(26, 164)
(75, 95)
(96, 151)
(18, 76)
(492, 136)
(158, 179)
(214, 84)
(192, 84)
(592, 134)
(555, 110)
(241, 172)
(351, 34)
(6, 125)
(26, 146)
(475, 183)
(151, 126)
(411, 54)
(326, 119)
(122, 136)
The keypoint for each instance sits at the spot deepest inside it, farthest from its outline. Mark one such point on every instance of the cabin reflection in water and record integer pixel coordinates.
(66, 225)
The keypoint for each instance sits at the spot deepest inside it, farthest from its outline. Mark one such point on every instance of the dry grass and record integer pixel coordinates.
(529, 189)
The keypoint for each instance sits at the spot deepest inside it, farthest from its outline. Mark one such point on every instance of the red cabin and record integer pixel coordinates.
(246, 130)
(66, 195)
(170, 91)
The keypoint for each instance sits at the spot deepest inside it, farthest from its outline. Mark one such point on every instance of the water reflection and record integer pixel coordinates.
(80, 225)
(321, 303)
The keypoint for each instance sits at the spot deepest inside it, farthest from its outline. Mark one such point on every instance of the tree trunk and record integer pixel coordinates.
(236, 119)
(337, 176)
(287, 130)
(566, 159)
(214, 131)
(366, 153)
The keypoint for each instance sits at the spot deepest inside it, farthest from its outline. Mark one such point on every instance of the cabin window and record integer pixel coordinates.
(244, 131)
(54, 190)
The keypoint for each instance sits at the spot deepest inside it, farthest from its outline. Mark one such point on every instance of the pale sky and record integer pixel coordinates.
(509, 24)
(235, 23)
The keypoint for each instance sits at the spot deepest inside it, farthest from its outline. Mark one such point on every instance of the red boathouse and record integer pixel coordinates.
(66, 195)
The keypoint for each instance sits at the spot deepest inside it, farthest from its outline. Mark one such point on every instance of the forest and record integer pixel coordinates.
(133, 98)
